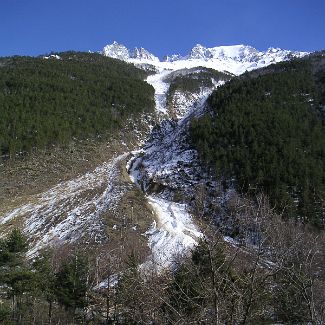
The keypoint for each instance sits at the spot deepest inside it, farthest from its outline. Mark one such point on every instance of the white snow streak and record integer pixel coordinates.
(161, 88)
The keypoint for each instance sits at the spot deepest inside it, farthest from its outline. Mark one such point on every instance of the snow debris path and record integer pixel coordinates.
(173, 233)
(171, 236)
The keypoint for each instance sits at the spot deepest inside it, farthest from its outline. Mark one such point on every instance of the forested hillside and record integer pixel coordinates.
(265, 132)
(50, 101)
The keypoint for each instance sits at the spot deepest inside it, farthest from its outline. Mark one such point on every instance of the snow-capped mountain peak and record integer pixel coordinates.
(199, 52)
(235, 59)
(234, 52)
(120, 51)
(143, 54)
(116, 51)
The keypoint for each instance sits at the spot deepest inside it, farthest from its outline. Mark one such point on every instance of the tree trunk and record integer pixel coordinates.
(50, 312)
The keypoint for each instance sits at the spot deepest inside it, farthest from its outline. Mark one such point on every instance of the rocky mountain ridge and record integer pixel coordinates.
(119, 51)
(235, 59)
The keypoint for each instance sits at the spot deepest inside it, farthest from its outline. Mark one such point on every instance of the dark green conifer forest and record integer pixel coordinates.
(45, 102)
(265, 132)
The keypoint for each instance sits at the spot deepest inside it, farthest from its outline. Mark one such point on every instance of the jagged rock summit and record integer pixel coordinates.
(143, 54)
(240, 53)
(119, 51)
(235, 59)
(116, 51)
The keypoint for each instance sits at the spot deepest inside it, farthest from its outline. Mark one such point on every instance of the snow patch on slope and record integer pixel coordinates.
(71, 210)
(52, 56)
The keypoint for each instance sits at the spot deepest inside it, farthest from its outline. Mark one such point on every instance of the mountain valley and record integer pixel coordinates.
(158, 163)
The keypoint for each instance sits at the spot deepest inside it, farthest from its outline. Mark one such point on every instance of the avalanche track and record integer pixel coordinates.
(168, 161)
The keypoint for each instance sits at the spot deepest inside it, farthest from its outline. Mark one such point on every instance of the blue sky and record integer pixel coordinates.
(33, 27)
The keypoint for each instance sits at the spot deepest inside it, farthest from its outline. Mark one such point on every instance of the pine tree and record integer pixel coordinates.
(72, 284)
